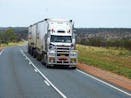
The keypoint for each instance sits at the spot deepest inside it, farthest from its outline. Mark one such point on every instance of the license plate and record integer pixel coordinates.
(62, 55)
(62, 58)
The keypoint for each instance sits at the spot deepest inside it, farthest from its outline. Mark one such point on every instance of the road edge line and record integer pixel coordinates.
(1, 51)
(106, 83)
(52, 85)
(46, 83)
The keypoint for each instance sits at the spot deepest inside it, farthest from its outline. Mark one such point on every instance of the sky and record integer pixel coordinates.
(84, 13)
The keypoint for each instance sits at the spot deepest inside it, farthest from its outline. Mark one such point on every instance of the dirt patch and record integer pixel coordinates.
(1, 48)
(115, 79)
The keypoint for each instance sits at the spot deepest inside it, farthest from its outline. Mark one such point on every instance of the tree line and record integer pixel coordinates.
(9, 36)
(105, 37)
(100, 42)
(101, 37)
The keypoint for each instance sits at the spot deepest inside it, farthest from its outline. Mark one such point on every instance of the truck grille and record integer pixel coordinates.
(62, 54)
(63, 48)
(63, 51)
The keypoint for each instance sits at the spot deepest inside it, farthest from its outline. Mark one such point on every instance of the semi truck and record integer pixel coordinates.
(52, 41)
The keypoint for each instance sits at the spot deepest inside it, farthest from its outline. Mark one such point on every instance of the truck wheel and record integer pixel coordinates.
(34, 53)
(72, 67)
(44, 60)
(28, 50)
(47, 66)
(31, 52)
(39, 57)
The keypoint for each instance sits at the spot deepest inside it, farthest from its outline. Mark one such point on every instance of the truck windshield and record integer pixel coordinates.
(63, 39)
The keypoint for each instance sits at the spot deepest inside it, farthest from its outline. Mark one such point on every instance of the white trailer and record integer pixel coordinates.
(52, 41)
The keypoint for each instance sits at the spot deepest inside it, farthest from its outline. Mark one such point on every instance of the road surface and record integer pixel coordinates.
(21, 76)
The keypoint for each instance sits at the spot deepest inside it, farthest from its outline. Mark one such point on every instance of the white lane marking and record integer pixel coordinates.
(26, 58)
(114, 87)
(46, 83)
(29, 63)
(35, 70)
(23, 54)
(1, 52)
(52, 85)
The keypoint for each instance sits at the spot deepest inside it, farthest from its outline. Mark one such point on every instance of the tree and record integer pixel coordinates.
(10, 35)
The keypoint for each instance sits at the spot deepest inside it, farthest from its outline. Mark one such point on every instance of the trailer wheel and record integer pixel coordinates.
(34, 53)
(28, 49)
(31, 51)
(39, 57)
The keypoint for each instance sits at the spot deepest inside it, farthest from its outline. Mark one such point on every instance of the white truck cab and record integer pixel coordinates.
(55, 42)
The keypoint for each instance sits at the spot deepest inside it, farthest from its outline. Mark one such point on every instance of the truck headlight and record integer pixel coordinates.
(51, 46)
(73, 54)
(51, 53)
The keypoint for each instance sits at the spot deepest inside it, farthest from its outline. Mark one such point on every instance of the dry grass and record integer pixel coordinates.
(112, 59)
(21, 43)
(1, 48)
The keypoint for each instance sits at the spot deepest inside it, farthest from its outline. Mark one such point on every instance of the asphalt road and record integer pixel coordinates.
(21, 76)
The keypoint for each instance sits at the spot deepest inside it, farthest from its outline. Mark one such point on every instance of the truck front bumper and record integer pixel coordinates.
(62, 61)
(62, 56)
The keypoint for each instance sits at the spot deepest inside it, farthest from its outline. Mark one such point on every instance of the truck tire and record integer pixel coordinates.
(39, 57)
(73, 67)
(47, 66)
(34, 53)
(31, 51)
(28, 50)
(44, 60)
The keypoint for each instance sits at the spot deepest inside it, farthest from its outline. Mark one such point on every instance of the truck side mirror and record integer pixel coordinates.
(73, 39)
(74, 31)
(49, 30)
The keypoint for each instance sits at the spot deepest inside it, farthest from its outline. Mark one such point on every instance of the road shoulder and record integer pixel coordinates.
(110, 77)
(1, 49)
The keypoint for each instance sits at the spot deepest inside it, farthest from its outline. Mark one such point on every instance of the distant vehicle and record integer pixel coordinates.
(52, 41)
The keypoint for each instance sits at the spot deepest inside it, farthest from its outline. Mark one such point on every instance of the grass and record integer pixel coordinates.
(116, 60)
(21, 43)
